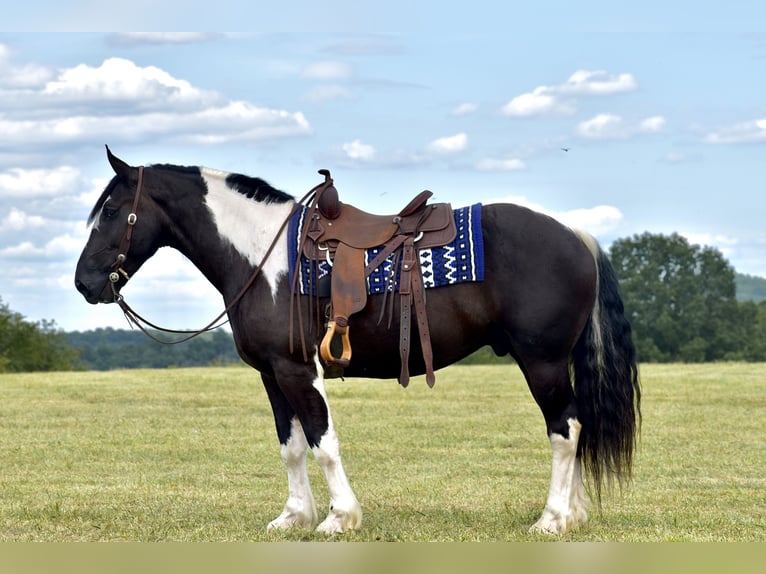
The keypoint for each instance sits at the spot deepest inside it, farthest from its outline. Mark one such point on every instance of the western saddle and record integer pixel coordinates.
(340, 234)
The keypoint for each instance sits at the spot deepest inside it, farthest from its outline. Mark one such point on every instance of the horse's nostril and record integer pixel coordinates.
(81, 287)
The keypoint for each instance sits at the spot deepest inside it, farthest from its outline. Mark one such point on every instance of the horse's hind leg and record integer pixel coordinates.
(567, 503)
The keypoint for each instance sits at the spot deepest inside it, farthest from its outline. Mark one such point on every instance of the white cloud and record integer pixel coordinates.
(151, 104)
(539, 102)
(610, 127)
(598, 220)
(602, 126)
(652, 124)
(362, 154)
(328, 70)
(494, 164)
(31, 183)
(449, 144)
(243, 121)
(61, 246)
(18, 220)
(236, 121)
(23, 77)
(558, 99)
(358, 150)
(753, 131)
(121, 79)
(464, 109)
(596, 83)
(21, 250)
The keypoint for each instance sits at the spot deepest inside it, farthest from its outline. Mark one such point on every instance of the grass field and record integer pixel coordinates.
(191, 455)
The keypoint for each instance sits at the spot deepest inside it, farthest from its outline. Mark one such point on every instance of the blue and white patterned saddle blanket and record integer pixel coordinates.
(458, 262)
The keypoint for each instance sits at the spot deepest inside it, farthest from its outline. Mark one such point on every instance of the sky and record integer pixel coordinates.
(615, 122)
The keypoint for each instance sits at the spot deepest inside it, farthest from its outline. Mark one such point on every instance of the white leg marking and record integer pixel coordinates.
(300, 508)
(567, 505)
(345, 510)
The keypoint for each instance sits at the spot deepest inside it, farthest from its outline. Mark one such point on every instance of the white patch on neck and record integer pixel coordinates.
(249, 226)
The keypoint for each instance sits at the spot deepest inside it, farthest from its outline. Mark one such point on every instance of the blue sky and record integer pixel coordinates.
(662, 109)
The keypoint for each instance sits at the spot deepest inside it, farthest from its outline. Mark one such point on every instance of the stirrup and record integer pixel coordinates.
(324, 348)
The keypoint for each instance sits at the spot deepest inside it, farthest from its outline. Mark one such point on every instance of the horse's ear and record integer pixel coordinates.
(120, 167)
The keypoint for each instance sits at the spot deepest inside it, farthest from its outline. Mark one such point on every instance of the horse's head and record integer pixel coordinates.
(124, 235)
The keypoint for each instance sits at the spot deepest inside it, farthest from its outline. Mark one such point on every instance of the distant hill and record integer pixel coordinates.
(750, 288)
(108, 348)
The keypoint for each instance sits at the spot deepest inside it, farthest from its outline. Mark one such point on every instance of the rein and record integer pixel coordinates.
(136, 319)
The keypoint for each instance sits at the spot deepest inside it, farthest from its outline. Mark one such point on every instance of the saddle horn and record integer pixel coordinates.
(327, 201)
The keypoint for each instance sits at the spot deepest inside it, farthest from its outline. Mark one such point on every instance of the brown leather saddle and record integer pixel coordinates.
(340, 234)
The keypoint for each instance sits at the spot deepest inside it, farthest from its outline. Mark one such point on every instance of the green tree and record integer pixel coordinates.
(680, 298)
(752, 323)
(26, 346)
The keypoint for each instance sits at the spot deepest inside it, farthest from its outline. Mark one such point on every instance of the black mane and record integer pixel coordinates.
(256, 188)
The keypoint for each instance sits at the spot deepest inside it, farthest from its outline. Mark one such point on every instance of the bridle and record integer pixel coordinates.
(118, 270)
(122, 252)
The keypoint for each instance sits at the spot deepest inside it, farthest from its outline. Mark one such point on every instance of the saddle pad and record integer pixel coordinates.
(460, 261)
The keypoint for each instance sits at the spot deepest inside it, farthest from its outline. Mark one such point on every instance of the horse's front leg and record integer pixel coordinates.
(300, 508)
(345, 511)
(309, 401)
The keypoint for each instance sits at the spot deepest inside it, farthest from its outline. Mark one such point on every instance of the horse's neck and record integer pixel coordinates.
(249, 227)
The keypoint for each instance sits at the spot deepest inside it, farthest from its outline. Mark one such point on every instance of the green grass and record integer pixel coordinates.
(191, 455)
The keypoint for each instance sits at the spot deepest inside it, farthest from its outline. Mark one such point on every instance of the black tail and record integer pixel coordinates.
(607, 385)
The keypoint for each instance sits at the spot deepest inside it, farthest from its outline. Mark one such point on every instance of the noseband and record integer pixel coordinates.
(122, 252)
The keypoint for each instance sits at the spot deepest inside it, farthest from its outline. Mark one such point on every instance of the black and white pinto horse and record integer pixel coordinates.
(550, 299)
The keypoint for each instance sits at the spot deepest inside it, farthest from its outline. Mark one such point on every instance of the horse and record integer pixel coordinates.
(549, 298)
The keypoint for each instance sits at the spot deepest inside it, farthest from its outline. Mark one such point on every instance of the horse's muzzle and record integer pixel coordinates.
(94, 296)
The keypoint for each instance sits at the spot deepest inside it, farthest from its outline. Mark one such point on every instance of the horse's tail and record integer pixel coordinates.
(606, 383)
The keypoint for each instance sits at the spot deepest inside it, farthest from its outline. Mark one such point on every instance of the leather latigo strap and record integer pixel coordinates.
(412, 294)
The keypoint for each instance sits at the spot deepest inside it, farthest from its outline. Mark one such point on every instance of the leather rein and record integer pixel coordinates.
(136, 319)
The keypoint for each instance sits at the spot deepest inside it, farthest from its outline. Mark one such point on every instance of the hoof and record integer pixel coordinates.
(556, 523)
(288, 520)
(341, 521)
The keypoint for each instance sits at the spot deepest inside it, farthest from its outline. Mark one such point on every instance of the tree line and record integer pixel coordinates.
(108, 348)
(39, 346)
(681, 299)
(27, 346)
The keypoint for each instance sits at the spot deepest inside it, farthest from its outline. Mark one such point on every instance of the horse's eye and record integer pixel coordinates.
(109, 212)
